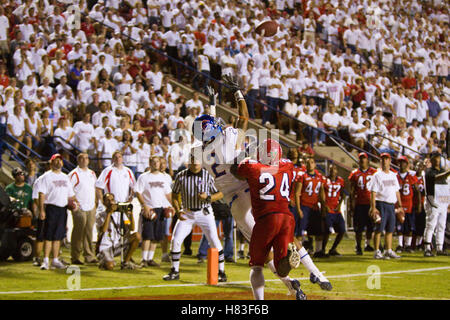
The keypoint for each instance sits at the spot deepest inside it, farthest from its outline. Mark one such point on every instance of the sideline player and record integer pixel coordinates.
(419, 203)
(225, 145)
(333, 187)
(360, 202)
(308, 194)
(408, 189)
(270, 181)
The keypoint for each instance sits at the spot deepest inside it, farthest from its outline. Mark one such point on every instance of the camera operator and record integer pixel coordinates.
(109, 243)
(20, 190)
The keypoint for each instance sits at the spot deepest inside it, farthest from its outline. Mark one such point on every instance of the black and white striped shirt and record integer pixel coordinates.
(190, 184)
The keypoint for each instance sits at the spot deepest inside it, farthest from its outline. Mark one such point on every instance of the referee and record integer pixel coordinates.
(436, 211)
(197, 190)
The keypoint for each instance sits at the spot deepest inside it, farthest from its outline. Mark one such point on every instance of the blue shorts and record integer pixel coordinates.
(335, 221)
(154, 230)
(55, 223)
(361, 220)
(311, 222)
(387, 212)
(40, 230)
(297, 230)
(408, 226)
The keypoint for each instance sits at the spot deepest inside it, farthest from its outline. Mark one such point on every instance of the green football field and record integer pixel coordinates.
(353, 277)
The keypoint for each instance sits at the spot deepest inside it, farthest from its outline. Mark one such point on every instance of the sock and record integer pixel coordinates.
(400, 240)
(150, 255)
(286, 280)
(176, 260)
(55, 260)
(257, 281)
(306, 260)
(418, 241)
(439, 247)
(427, 246)
(144, 255)
(221, 261)
(318, 245)
(408, 240)
(46, 260)
(242, 247)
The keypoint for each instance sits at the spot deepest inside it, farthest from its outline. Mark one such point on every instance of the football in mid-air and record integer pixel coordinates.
(267, 28)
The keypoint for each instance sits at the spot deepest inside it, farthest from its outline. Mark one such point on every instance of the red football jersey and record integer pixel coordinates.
(421, 186)
(297, 171)
(407, 190)
(333, 191)
(311, 184)
(359, 179)
(270, 186)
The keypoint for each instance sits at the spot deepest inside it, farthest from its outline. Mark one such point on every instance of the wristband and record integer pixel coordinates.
(238, 95)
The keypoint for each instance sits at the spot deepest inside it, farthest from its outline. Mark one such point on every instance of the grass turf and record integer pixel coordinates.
(347, 273)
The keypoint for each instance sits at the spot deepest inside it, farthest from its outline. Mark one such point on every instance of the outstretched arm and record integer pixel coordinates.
(242, 105)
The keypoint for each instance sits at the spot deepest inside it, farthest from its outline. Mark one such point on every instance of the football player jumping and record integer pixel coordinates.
(221, 146)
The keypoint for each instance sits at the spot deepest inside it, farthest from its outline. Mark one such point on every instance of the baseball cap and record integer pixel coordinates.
(56, 155)
(363, 154)
(385, 154)
(403, 158)
(17, 171)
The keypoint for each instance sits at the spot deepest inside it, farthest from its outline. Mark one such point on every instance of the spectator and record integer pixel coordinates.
(20, 190)
(83, 182)
(55, 190)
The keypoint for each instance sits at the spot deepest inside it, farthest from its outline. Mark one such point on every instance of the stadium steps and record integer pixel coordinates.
(331, 153)
(6, 169)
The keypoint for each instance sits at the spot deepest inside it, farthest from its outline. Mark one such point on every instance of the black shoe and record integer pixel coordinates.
(152, 263)
(230, 260)
(442, 253)
(334, 253)
(222, 276)
(399, 249)
(368, 248)
(37, 262)
(320, 254)
(358, 251)
(78, 262)
(409, 249)
(428, 253)
(200, 260)
(173, 275)
(241, 254)
(326, 285)
(299, 294)
(187, 252)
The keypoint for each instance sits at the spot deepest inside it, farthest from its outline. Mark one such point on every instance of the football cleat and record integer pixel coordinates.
(409, 249)
(299, 294)
(428, 253)
(399, 249)
(293, 255)
(442, 253)
(334, 253)
(222, 276)
(173, 275)
(324, 285)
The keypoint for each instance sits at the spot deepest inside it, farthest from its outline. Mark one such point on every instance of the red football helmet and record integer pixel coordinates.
(269, 152)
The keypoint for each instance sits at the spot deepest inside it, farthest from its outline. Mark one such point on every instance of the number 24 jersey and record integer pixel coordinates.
(270, 186)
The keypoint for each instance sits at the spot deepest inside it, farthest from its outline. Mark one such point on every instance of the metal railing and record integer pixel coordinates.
(402, 146)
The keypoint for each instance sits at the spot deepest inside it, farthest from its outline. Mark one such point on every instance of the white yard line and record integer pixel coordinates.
(222, 284)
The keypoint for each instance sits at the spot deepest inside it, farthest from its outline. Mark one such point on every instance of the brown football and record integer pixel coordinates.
(267, 28)
(376, 218)
(400, 215)
(72, 205)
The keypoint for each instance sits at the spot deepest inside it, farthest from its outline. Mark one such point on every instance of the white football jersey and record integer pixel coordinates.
(227, 150)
